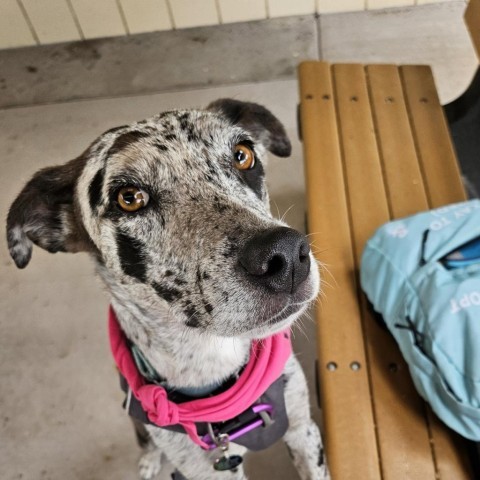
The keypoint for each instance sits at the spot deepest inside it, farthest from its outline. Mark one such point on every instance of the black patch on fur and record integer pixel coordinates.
(205, 275)
(169, 294)
(132, 258)
(170, 137)
(218, 206)
(199, 282)
(187, 127)
(212, 170)
(207, 143)
(95, 189)
(160, 146)
(193, 320)
(208, 307)
(126, 139)
(211, 179)
(183, 120)
(321, 457)
(230, 249)
(253, 177)
(179, 282)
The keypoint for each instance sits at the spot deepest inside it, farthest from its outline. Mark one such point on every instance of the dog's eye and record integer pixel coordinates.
(244, 158)
(132, 199)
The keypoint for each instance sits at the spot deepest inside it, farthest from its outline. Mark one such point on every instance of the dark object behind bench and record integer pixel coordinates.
(463, 115)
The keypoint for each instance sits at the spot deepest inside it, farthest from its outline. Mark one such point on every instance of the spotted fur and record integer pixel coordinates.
(172, 267)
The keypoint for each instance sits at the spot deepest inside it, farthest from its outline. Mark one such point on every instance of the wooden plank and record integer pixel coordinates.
(435, 152)
(403, 178)
(364, 179)
(401, 428)
(472, 19)
(345, 395)
(450, 451)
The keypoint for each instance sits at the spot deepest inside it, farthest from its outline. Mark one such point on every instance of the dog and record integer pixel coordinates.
(175, 213)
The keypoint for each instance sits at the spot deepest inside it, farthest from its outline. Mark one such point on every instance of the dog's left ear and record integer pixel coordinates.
(259, 121)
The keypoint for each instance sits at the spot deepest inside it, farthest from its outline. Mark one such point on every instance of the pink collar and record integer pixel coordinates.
(266, 364)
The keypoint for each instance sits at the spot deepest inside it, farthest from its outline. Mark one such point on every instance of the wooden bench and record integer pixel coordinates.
(376, 147)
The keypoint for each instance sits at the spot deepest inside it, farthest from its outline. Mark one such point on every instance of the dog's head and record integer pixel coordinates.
(175, 211)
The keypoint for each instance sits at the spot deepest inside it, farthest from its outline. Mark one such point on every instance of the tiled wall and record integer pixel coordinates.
(31, 22)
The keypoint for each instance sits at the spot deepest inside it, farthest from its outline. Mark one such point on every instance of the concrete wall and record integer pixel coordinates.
(39, 22)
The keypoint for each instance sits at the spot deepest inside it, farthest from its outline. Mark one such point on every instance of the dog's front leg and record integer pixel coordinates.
(193, 462)
(303, 437)
(150, 463)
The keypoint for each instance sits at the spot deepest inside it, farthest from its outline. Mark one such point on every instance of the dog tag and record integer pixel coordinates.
(227, 463)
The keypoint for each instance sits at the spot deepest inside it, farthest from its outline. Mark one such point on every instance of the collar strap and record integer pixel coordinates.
(267, 361)
(147, 371)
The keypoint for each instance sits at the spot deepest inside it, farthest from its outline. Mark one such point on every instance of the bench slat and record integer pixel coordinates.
(360, 154)
(435, 152)
(345, 393)
(404, 181)
(451, 452)
(402, 436)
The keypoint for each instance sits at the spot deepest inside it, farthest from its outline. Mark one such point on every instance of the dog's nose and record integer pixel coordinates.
(277, 259)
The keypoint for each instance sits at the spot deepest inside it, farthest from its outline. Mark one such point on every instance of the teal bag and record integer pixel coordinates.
(422, 273)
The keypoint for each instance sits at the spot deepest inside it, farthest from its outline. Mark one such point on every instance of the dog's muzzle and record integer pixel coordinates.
(278, 259)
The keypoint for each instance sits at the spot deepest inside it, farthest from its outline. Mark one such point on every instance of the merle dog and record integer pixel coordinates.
(175, 213)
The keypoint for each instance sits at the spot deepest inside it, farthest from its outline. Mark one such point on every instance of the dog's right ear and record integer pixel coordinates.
(44, 214)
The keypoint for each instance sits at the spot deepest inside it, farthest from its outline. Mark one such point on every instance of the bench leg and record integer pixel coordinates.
(303, 437)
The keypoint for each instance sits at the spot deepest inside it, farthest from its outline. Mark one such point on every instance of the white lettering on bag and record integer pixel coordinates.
(398, 230)
(465, 301)
(440, 223)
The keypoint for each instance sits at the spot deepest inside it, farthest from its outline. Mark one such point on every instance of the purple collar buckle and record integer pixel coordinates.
(258, 415)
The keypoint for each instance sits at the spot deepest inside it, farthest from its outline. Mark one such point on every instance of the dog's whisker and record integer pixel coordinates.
(276, 206)
(300, 327)
(286, 212)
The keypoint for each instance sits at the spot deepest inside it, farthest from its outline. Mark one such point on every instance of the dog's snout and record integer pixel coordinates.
(277, 259)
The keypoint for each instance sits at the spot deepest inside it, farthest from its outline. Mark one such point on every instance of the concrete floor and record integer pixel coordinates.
(60, 413)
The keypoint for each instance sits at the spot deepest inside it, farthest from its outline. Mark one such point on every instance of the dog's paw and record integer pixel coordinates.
(150, 464)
